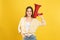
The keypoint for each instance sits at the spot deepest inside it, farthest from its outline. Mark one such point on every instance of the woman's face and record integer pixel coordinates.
(29, 12)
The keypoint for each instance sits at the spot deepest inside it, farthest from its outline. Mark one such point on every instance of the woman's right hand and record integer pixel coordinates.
(23, 35)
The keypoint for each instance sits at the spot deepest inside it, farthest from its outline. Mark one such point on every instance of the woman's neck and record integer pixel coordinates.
(29, 17)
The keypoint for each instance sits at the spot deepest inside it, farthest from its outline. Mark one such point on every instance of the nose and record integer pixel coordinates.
(29, 12)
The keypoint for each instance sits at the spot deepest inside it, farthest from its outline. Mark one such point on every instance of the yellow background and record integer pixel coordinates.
(12, 10)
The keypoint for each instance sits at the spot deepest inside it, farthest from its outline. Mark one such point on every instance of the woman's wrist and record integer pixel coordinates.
(41, 16)
(42, 19)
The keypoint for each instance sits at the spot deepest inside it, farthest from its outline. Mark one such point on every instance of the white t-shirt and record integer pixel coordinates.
(27, 26)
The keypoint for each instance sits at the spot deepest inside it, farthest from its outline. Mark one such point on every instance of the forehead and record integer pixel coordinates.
(29, 9)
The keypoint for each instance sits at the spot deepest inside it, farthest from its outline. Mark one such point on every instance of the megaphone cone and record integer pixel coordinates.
(36, 10)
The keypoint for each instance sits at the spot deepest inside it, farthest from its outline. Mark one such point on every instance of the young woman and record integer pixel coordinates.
(28, 24)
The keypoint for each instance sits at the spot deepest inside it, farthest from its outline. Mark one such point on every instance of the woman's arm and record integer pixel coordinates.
(43, 22)
(19, 27)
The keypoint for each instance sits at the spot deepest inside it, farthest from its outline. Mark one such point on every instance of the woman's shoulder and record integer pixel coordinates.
(22, 18)
(34, 19)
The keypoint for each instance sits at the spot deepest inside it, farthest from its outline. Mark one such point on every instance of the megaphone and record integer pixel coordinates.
(36, 10)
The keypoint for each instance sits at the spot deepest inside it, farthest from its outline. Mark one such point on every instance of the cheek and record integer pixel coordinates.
(27, 13)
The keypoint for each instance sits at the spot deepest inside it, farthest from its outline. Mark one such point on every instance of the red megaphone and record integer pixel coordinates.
(36, 10)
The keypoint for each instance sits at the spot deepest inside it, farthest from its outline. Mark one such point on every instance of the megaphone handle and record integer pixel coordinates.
(40, 13)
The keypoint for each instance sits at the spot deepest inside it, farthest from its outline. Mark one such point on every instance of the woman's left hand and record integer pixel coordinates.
(41, 16)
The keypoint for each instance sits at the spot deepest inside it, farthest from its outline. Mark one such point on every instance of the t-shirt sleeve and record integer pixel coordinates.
(37, 22)
(19, 26)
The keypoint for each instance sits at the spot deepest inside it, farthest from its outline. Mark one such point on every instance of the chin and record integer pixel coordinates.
(29, 16)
